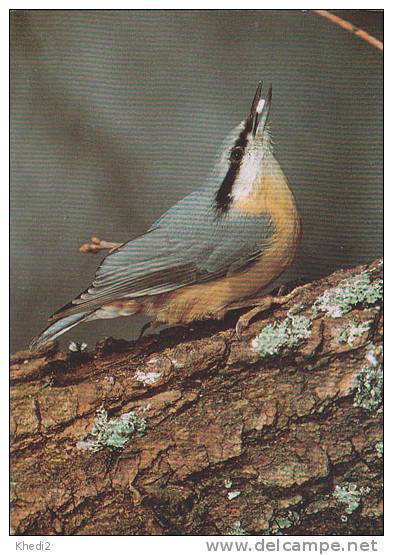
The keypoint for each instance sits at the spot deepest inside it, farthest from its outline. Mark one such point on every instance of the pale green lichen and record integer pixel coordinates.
(353, 330)
(76, 347)
(379, 449)
(349, 293)
(227, 483)
(369, 387)
(147, 378)
(281, 337)
(113, 433)
(349, 495)
(282, 522)
(233, 494)
(237, 529)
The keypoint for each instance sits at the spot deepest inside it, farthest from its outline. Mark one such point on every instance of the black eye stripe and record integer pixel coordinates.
(236, 154)
(223, 197)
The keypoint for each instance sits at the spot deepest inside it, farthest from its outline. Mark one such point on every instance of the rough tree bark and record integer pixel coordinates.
(236, 441)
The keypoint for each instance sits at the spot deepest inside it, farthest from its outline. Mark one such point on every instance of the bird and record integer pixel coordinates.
(211, 252)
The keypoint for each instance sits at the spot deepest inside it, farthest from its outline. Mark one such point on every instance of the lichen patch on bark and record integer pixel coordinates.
(235, 441)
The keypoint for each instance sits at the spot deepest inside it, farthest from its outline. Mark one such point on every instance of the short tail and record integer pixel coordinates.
(58, 328)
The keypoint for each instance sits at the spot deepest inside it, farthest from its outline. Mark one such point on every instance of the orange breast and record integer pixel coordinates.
(274, 197)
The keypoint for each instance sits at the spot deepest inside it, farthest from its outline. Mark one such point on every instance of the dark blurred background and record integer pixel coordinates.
(115, 115)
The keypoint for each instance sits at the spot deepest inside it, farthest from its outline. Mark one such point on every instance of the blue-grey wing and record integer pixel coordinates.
(187, 245)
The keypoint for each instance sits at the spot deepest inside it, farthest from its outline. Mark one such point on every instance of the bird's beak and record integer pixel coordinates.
(260, 109)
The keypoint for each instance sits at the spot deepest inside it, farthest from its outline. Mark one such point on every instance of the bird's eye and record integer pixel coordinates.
(236, 154)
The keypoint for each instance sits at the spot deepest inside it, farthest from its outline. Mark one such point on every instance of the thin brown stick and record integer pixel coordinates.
(95, 245)
(351, 28)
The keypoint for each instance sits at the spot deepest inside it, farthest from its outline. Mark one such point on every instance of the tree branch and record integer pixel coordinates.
(193, 431)
(95, 245)
(351, 28)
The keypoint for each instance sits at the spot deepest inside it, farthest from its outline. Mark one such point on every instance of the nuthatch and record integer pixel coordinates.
(207, 254)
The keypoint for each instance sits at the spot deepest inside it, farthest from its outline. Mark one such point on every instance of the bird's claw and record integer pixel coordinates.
(262, 305)
(241, 324)
(148, 326)
(245, 319)
(144, 328)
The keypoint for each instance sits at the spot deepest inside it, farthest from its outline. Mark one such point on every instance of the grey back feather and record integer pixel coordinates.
(188, 244)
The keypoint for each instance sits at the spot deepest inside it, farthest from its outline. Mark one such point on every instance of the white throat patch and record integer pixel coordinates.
(247, 179)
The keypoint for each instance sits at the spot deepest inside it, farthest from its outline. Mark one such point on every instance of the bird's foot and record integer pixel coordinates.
(149, 326)
(262, 305)
(95, 245)
(245, 319)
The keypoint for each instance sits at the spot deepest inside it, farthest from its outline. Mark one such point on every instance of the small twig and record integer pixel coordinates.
(351, 28)
(95, 245)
